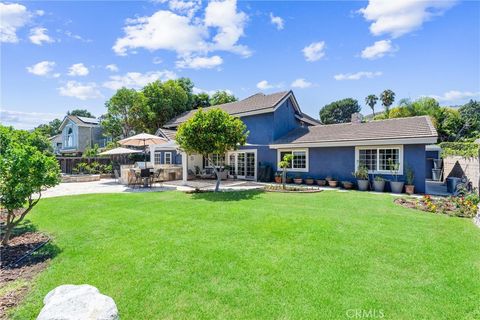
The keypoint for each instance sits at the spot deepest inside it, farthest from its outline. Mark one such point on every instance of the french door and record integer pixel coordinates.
(243, 164)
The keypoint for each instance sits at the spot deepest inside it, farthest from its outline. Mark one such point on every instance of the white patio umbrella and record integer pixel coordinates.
(142, 139)
(118, 151)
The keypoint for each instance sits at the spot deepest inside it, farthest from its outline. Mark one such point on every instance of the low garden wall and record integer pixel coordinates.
(456, 166)
(80, 178)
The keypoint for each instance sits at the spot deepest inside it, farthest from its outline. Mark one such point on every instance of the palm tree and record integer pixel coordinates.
(371, 100)
(387, 97)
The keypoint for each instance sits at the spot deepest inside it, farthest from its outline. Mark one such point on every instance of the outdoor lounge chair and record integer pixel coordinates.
(134, 178)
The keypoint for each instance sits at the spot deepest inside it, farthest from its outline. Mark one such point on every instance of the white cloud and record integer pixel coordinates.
(12, 17)
(199, 62)
(43, 68)
(265, 85)
(357, 76)
(112, 67)
(397, 18)
(137, 80)
(314, 51)
(39, 13)
(455, 95)
(185, 7)
(378, 49)
(38, 35)
(185, 34)
(82, 91)
(301, 83)
(277, 21)
(26, 120)
(78, 69)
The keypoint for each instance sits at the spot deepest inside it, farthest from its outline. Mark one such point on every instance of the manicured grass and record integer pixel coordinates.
(253, 255)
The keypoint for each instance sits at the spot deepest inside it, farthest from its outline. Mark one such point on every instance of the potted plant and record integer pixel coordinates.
(321, 182)
(332, 182)
(410, 177)
(396, 186)
(309, 180)
(278, 177)
(347, 185)
(379, 184)
(328, 178)
(362, 177)
(284, 164)
(297, 180)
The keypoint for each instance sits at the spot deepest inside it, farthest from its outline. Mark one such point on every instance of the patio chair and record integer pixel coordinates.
(145, 174)
(158, 177)
(134, 178)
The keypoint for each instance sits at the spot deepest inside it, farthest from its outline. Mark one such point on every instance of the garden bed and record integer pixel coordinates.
(463, 207)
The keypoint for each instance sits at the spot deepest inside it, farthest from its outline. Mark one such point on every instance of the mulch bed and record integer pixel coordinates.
(11, 269)
(441, 205)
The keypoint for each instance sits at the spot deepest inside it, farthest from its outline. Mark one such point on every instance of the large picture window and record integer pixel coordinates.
(299, 159)
(380, 159)
(217, 159)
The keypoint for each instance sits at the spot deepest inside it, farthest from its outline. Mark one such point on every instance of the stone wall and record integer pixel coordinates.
(455, 166)
(80, 178)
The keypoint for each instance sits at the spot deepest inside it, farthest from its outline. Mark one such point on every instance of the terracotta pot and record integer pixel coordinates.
(298, 180)
(332, 183)
(309, 181)
(278, 179)
(321, 182)
(410, 189)
(347, 185)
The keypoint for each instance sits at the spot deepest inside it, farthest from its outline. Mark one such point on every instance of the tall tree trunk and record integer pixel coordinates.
(217, 174)
(284, 178)
(8, 233)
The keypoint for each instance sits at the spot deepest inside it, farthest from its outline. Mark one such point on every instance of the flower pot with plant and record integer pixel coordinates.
(278, 177)
(332, 182)
(362, 177)
(396, 186)
(297, 180)
(321, 182)
(409, 177)
(347, 185)
(309, 180)
(284, 164)
(379, 184)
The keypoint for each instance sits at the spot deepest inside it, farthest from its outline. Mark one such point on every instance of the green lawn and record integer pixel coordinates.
(253, 255)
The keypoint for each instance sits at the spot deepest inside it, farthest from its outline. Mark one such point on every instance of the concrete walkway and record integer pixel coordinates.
(110, 186)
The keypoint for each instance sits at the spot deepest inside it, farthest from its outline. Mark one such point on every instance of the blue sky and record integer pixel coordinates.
(56, 56)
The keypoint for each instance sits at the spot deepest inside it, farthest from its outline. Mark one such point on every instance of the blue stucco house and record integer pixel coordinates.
(277, 126)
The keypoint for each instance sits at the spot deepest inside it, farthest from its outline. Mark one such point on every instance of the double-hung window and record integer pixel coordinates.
(157, 157)
(380, 159)
(217, 159)
(168, 158)
(299, 159)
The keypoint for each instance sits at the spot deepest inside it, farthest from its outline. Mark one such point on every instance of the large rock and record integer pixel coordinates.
(83, 302)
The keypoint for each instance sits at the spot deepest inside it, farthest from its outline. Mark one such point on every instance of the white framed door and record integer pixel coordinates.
(243, 164)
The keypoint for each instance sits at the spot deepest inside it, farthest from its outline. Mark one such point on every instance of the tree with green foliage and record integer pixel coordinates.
(187, 86)
(470, 113)
(339, 111)
(211, 132)
(127, 114)
(81, 113)
(387, 97)
(221, 97)
(164, 100)
(27, 167)
(50, 129)
(202, 100)
(371, 101)
(284, 165)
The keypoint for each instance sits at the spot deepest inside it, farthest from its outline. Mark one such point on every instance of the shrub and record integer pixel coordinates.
(462, 149)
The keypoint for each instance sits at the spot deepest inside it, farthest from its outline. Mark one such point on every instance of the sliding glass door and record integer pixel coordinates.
(243, 164)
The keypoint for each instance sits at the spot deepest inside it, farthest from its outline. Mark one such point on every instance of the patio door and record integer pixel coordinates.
(243, 164)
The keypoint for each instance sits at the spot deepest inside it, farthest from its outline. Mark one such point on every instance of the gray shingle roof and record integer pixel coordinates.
(256, 102)
(167, 133)
(400, 128)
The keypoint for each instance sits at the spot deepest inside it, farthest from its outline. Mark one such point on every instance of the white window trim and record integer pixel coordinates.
(400, 158)
(159, 152)
(307, 158)
(165, 157)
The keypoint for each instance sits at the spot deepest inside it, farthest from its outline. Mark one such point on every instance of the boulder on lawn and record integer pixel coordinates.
(71, 302)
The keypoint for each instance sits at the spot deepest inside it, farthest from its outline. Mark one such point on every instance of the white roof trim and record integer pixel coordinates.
(354, 143)
(433, 147)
